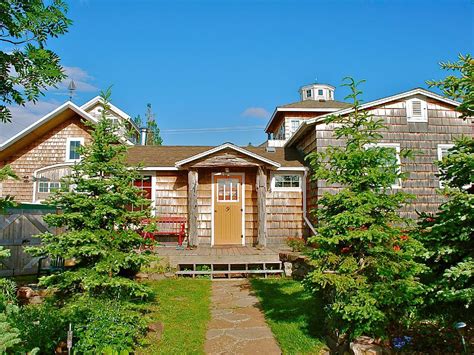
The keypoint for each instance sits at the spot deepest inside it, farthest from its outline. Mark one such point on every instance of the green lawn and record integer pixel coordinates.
(293, 315)
(182, 305)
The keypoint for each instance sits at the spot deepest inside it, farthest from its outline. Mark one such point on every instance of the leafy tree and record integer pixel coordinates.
(449, 234)
(459, 87)
(153, 131)
(100, 214)
(26, 66)
(363, 259)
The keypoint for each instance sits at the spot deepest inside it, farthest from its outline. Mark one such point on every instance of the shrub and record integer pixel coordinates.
(40, 326)
(296, 244)
(7, 293)
(102, 325)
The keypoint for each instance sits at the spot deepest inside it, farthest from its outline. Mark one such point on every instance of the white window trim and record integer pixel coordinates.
(49, 186)
(424, 111)
(398, 185)
(442, 147)
(289, 189)
(68, 147)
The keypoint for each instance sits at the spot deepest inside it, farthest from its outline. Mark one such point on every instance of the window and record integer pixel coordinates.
(443, 150)
(397, 183)
(281, 132)
(228, 190)
(48, 186)
(145, 184)
(294, 124)
(417, 110)
(320, 92)
(71, 148)
(308, 93)
(286, 182)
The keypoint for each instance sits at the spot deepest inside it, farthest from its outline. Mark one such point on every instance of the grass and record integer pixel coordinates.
(182, 305)
(294, 316)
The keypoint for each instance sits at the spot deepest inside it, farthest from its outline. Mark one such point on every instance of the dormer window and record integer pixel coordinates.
(308, 93)
(417, 110)
(71, 148)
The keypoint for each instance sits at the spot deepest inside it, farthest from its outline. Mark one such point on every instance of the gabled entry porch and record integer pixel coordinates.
(227, 191)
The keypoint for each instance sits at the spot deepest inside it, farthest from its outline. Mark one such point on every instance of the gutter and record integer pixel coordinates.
(305, 216)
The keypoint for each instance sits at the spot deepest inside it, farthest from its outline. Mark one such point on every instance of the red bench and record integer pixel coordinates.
(167, 226)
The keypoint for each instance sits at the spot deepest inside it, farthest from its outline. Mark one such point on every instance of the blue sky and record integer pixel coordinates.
(217, 64)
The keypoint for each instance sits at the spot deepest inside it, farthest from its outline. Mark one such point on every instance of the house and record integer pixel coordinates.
(243, 196)
(418, 119)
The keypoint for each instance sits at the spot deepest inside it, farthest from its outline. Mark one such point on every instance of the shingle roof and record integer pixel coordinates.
(167, 156)
(317, 104)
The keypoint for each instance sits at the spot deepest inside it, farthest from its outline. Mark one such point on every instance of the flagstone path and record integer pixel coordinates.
(237, 324)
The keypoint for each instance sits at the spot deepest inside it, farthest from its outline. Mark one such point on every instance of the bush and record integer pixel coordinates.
(102, 325)
(7, 293)
(40, 326)
(296, 244)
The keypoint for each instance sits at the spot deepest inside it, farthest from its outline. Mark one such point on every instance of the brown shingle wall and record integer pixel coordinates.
(443, 127)
(47, 150)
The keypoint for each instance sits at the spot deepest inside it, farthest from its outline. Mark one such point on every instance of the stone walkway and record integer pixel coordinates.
(237, 325)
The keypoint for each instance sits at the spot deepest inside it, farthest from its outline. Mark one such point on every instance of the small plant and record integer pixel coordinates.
(296, 244)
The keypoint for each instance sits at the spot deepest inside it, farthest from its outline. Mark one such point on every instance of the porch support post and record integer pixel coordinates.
(192, 207)
(262, 206)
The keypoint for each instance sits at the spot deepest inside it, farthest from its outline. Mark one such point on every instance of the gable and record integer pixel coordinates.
(224, 158)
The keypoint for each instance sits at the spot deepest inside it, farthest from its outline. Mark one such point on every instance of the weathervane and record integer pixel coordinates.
(71, 88)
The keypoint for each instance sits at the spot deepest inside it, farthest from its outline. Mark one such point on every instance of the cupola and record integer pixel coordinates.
(317, 92)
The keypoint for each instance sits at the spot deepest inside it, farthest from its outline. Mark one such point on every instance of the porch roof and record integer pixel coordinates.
(167, 156)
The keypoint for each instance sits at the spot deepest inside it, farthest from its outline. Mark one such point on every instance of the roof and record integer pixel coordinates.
(45, 119)
(317, 104)
(307, 124)
(167, 156)
(48, 121)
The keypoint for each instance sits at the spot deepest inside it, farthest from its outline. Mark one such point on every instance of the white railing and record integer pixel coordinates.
(276, 142)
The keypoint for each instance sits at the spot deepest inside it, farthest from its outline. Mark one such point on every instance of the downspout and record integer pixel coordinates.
(305, 216)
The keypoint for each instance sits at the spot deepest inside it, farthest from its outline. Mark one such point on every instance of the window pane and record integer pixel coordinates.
(43, 187)
(287, 181)
(73, 154)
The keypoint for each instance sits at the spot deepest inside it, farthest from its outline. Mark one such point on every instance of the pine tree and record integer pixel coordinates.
(449, 234)
(99, 211)
(363, 260)
(153, 137)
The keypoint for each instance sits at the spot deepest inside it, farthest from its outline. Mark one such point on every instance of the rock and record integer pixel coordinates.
(169, 275)
(155, 330)
(288, 268)
(156, 277)
(25, 292)
(141, 276)
(366, 349)
(35, 300)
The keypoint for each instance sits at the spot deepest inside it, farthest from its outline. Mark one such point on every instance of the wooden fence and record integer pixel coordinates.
(18, 228)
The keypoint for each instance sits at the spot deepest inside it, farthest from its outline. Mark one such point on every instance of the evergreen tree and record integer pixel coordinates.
(99, 212)
(153, 137)
(449, 234)
(363, 260)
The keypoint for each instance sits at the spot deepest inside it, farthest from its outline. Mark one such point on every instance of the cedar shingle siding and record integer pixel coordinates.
(443, 127)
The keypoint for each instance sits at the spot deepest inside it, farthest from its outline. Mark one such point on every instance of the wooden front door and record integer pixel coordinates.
(228, 209)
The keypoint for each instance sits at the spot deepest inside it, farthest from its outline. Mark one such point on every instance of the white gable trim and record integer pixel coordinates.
(46, 118)
(226, 146)
(417, 91)
(98, 100)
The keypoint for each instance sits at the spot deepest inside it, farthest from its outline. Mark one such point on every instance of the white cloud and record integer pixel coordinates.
(23, 116)
(81, 78)
(257, 112)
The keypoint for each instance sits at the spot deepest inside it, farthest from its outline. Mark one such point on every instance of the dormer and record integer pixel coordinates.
(317, 92)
